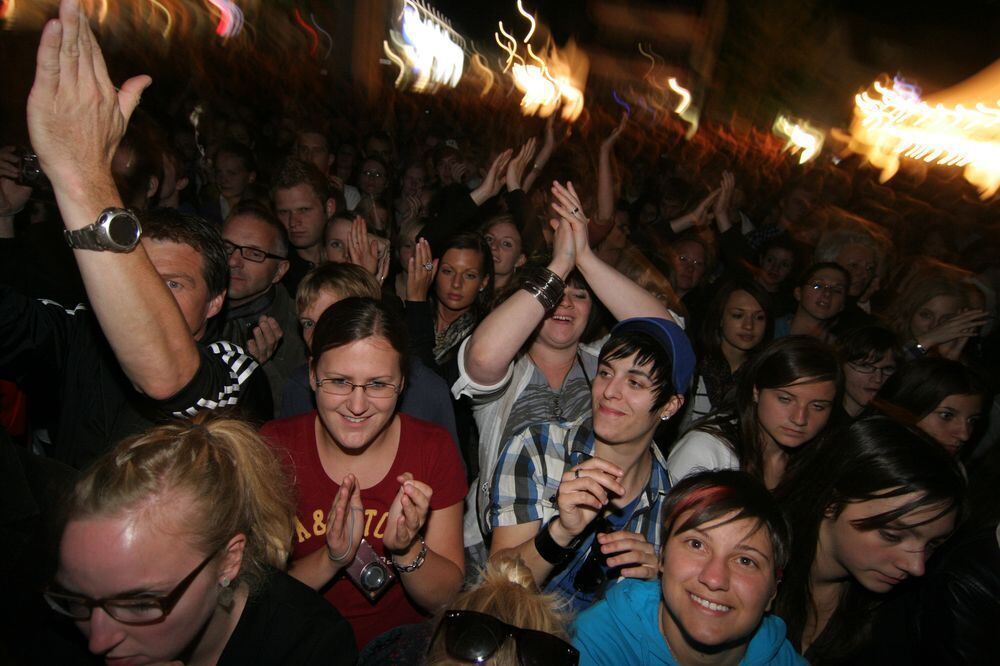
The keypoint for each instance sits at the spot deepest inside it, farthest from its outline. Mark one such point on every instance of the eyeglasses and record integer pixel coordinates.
(137, 610)
(476, 637)
(372, 173)
(250, 253)
(869, 369)
(338, 386)
(832, 288)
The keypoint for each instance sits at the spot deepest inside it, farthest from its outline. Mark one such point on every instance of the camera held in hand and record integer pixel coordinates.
(370, 572)
(30, 172)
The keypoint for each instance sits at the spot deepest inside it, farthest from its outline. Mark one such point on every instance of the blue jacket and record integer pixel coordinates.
(624, 628)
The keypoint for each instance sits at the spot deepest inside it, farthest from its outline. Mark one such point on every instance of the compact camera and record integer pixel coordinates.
(30, 172)
(371, 573)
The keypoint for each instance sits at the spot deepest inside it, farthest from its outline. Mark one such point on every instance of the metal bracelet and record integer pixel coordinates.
(415, 564)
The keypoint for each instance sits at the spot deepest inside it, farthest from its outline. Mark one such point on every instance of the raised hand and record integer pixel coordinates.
(346, 522)
(963, 325)
(493, 180)
(360, 250)
(420, 272)
(584, 491)
(267, 335)
(76, 117)
(566, 203)
(631, 552)
(516, 166)
(407, 514)
(609, 142)
(701, 215)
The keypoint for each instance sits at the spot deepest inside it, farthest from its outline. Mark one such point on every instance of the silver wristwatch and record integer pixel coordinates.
(116, 230)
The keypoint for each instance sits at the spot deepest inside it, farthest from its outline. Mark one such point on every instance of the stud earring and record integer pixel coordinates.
(224, 582)
(664, 417)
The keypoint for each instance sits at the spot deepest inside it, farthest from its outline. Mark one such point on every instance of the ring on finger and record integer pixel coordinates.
(576, 473)
(429, 266)
(576, 210)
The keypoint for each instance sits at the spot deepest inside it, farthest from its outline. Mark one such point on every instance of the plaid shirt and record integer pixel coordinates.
(531, 466)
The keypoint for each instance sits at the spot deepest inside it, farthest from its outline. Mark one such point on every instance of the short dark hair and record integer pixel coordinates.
(293, 171)
(919, 386)
(240, 151)
(864, 342)
(357, 318)
(647, 349)
(263, 213)
(716, 494)
(809, 272)
(168, 224)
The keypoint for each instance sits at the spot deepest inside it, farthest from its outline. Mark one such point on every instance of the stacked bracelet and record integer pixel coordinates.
(415, 564)
(546, 287)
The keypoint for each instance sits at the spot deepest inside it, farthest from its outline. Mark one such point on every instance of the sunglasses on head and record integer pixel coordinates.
(476, 637)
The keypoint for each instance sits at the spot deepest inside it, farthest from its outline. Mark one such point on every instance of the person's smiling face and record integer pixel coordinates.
(718, 581)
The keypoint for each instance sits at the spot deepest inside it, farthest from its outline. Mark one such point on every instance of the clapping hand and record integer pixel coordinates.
(407, 514)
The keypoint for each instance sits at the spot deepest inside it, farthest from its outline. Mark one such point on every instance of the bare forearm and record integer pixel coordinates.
(137, 313)
(315, 569)
(623, 297)
(605, 187)
(435, 583)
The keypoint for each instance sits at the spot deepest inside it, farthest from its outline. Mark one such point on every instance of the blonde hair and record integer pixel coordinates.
(235, 483)
(508, 592)
(918, 292)
(345, 280)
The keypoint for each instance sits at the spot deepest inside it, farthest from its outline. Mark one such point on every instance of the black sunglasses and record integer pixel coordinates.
(476, 637)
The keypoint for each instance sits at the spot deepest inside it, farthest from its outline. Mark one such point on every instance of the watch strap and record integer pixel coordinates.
(83, 239)
(547, 547)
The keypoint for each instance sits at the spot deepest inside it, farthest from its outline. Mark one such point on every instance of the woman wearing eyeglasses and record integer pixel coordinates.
(821, 295)
(172, 550)
(868, 357)
(378, 524)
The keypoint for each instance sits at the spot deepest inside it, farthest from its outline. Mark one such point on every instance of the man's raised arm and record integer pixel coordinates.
(76, 118)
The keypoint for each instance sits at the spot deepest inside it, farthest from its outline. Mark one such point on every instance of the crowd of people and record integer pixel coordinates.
(428, 385)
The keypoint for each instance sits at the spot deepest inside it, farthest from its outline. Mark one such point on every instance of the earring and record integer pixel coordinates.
(664, 417)
(224, 582)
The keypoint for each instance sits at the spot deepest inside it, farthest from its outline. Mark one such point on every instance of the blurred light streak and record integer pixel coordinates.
(480, 62)
(7, 9)
(329, 39)
(166, 14)
(622, 103)
(530, 18)
(892, 122)
(313, 37)
(391, 55)
(685, 102)
(230, 18)
(799, 136)
(432, 53)
(511, 50)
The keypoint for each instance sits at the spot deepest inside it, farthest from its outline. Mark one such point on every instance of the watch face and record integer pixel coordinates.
(122, 230)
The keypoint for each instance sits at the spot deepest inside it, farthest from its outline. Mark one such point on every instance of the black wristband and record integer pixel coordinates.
(550, 551)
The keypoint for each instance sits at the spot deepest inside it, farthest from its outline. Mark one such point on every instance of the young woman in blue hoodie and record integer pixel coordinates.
(726, 543)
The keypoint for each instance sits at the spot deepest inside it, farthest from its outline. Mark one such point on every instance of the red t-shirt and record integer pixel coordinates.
(425, 450)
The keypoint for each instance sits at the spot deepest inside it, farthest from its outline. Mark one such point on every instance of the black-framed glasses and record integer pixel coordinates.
(250, 253)
(372, 173)
(476, 637)
(869, 369)
(338, 386)
(136, 610)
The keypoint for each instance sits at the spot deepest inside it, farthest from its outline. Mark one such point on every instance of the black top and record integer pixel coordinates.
(286, 622)
(97, 403)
